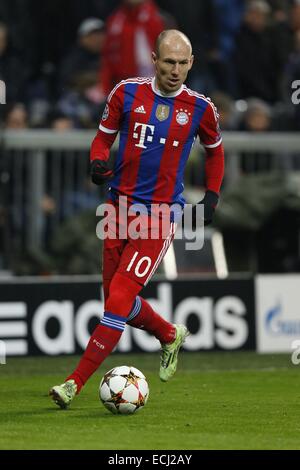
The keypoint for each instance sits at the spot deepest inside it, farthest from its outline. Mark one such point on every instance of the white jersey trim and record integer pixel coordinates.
(211, 146)
(108, 131)
(204, 98)
(169, 95)
(138, 80)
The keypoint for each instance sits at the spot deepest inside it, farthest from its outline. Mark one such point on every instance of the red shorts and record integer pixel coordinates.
(136, 257)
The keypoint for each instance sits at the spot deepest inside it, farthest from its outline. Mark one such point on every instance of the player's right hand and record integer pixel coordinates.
(100, 171)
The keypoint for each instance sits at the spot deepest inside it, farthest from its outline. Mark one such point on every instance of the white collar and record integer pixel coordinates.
(158, 92)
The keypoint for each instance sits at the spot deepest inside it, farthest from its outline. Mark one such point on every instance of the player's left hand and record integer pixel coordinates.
(100, 171)
(210, 202)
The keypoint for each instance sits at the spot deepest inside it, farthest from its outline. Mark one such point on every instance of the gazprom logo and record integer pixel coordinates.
(2, 92)
(275, 325)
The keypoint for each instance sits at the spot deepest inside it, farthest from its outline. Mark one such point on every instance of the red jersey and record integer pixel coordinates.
(156, 136)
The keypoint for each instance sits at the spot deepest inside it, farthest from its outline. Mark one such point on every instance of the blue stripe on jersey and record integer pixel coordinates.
(148, 173)
(129, 95)
(199, 109)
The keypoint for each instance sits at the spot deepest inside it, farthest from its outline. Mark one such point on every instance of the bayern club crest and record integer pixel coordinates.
(182, 116)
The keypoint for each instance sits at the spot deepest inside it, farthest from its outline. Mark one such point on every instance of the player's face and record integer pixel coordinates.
(172, 65)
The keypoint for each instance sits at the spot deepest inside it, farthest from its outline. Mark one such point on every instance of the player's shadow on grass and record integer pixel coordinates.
(100, 414)
(8, 416)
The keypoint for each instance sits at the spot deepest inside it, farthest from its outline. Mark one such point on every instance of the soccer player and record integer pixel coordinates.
(158, 120)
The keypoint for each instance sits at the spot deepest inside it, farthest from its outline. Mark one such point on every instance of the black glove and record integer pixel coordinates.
(100, 171)
(210, 201)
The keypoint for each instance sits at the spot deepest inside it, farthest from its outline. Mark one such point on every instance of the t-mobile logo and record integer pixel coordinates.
(142, 135)
(148, 138)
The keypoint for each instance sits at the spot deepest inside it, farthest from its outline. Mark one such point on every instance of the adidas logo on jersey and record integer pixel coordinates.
(140, 109)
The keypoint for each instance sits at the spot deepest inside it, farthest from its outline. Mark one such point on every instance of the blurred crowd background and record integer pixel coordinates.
(59, 60)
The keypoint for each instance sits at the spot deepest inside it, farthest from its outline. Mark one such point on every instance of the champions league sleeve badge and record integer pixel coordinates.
(105, 113)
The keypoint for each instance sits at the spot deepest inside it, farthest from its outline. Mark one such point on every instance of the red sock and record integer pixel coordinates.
(122, 292)
(103, 340)
(149, 320)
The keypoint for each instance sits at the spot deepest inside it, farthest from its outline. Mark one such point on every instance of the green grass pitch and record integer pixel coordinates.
(215, 401)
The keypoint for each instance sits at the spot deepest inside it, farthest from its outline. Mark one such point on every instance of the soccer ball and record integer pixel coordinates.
(124, 390)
